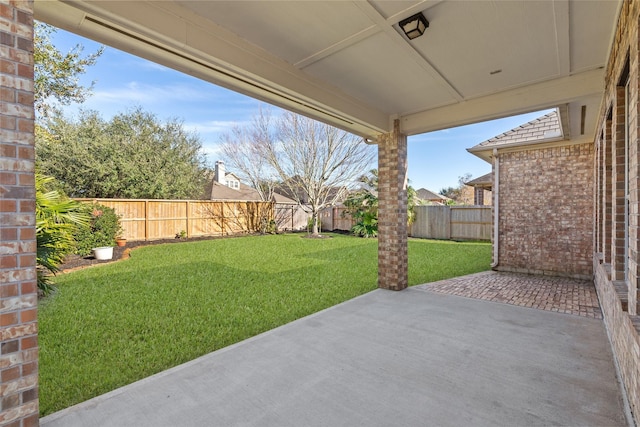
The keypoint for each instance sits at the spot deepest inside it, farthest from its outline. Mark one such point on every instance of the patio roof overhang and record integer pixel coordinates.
(348, 63)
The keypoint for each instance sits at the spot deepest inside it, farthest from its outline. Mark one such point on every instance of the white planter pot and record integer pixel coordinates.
(103, 253)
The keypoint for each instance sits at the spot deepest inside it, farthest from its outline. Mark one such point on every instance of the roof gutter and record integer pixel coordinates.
(496, 207)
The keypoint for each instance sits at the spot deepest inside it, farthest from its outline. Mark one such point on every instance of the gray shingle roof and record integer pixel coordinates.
(543, 128)
(425, 194)
(222, 192)
(245, 193)
(482, 181)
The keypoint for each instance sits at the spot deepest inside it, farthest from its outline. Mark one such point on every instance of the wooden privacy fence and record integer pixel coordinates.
(335, 218)
(150, 219)
(431, 222)
(452, 222)
(162, 219)
(291, 217)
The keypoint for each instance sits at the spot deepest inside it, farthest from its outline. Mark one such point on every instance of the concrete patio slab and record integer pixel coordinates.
(410, 358)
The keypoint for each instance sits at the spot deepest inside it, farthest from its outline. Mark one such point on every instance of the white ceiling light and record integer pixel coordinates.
(414, 26)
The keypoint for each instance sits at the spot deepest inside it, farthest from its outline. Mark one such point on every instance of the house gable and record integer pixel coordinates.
(547, 130)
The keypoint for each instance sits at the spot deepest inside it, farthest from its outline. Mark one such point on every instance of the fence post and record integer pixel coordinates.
(222, 215)
(146, 219)
(450, 217)
(188, 209)
(333, 217)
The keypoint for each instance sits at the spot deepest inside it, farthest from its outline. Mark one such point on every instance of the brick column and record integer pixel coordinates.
(597, 218)
(392, 210)
(607, 194)
(18, 290)
(618, 176)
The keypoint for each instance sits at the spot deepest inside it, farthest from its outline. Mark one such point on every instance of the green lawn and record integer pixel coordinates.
(111, 325)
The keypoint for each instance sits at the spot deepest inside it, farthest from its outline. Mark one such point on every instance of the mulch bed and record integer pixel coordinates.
(74, 262)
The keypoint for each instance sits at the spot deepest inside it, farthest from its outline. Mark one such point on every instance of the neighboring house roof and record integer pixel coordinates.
(245, 193)
(424, 194)
(222, 192)
(546, 128)
(484, 181)
(286, 191)
(279, 198)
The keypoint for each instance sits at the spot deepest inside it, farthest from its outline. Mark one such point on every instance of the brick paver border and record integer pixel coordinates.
(558, 294)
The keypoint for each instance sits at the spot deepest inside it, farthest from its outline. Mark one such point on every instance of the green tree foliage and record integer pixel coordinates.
(458, 195)
(362, 206)
(450, 192)
(57, 218)
(133, 155)
(56, 74)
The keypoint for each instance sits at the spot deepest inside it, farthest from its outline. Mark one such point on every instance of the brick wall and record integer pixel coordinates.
(546, 211)
(618, 194)
(622, 335)
(392, 211)
(18, 293)
(616, 269)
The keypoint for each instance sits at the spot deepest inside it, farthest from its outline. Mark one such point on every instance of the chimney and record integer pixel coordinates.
(220, 173)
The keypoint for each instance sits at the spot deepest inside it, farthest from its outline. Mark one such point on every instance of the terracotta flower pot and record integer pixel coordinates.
(121, 242)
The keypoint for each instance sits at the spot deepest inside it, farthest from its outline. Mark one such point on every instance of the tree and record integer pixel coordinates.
(316, 163)
(134, 155)
(461, 195)
(56, 74)
(57, 217)
(313, 163)
(244, 151)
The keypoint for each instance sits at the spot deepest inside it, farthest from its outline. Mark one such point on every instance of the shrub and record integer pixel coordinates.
(57, 218)
(102, 230)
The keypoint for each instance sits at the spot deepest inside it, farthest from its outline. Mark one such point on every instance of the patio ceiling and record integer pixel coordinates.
(348, 64)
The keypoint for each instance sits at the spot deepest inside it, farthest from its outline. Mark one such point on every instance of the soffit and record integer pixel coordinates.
(346, 62)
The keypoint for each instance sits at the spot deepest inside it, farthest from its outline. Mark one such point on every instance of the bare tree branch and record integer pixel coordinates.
(243, 150)
(315, 163)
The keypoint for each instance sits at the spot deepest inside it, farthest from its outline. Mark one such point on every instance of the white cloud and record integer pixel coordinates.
(212, 153)
(213, 126)
(153, 66)
(141, 93)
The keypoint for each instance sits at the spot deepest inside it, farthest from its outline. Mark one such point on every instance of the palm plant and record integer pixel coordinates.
(367, 226)
(362, 205)
(56, 218)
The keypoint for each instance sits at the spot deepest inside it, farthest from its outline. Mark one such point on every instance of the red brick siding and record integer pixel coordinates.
(618, 176)
(597, 199)
(623, 337)
(18, 293)
(546, 211)
(608, 192)
(618, 298)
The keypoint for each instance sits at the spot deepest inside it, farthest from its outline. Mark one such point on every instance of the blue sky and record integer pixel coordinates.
(123, 82)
